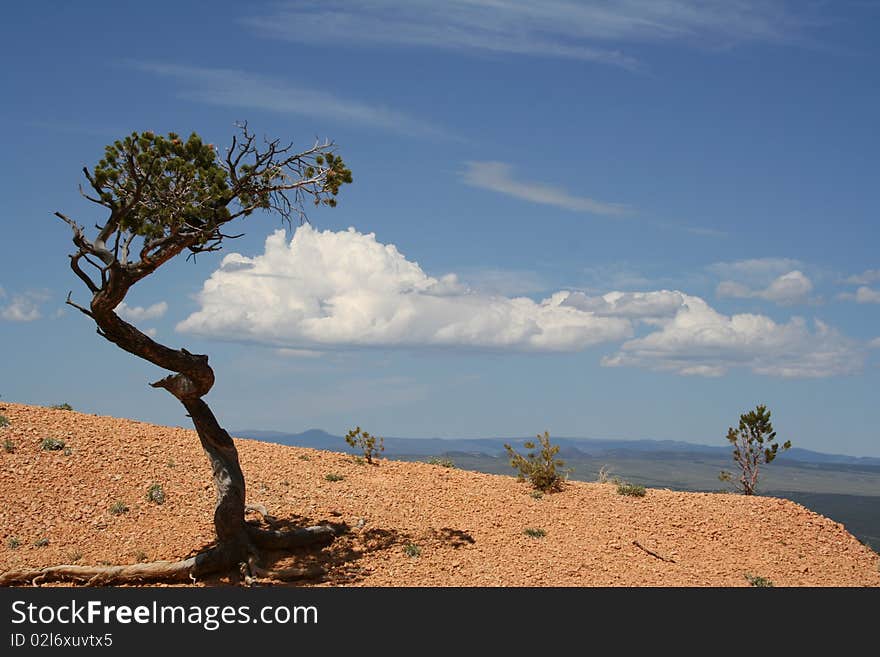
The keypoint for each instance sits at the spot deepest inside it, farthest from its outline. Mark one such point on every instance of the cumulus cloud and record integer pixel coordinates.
(345, 288)
(633, 305)
(23, 307)
(141, 313)
(699, 340)
(325, 289)
(498, 177)
(787, 289)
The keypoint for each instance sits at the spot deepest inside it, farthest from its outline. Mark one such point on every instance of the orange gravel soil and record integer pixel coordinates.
(468, 528)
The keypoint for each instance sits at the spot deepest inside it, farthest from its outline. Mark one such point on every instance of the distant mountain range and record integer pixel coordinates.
(569, 447)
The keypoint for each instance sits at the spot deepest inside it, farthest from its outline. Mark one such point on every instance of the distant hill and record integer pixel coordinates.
(573, 447)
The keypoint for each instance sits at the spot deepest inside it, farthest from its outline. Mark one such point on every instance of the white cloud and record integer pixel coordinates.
(633, 305)
(496, 176)
(345, 288)
(325, 289)
(875, 343)
(755, 271)
(787, 289)
(865, 278)
(585, 30)
(866, 294)
(235, 88)
(140, 313)
(699, 340)
(23, 307)
(152, 332)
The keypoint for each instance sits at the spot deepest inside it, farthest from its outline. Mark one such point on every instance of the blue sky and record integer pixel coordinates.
(633, 219)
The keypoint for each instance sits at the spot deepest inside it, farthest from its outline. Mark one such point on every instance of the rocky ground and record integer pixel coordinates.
(412, 524)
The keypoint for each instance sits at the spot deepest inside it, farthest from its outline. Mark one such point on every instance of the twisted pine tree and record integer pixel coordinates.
(164, 196)
(754, 444)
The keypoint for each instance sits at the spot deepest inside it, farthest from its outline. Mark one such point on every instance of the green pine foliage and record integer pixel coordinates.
(754, 444)
(539, 466)
(370, 445)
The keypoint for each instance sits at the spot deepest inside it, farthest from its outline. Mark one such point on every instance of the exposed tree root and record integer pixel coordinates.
(211, 561)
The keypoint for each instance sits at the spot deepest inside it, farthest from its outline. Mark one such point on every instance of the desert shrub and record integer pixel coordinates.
(8, 446)
(541, 468)
(370, 445)
(3, 421)
(118, 508)
(332, 476)
(64, 406)
(443, 462)
(604, 475)
(412, 550)
(41, 542)
(537, 494)
(631, 490)
(754, 444)
(140, 556)
(305, 457)
(52, 444)
(758, 581)
(75, 556)
(171, 463)
(156, 494)
(67, 451)
(13, 543)
(535, 532)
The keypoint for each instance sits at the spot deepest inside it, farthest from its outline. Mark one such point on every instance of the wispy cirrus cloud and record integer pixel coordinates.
(241, 89)
(591, 30)
(498, 177)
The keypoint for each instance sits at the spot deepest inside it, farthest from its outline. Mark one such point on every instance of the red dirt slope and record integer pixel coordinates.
(468, 527)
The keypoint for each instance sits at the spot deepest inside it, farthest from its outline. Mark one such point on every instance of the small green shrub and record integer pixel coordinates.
(758, 581)
(140, 556)
(305, 457)
(443, 462)
(370, 445)
(67, 451)
(13, 543)
(631, 490)
(52, 444)
(535, 532)
(155, 494)
(118, 508)
(75, 556)
(3, 421)
(359, 460)
(8, 446)
(536, 494)
(332, 476)
(41, 542)
(412, 550)
(542, 469)
(62, 407)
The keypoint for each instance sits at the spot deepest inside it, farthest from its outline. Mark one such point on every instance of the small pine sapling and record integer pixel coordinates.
(754, 444)
(370, 445)
(541, 468)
